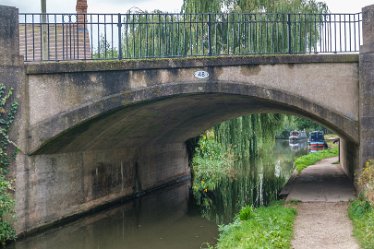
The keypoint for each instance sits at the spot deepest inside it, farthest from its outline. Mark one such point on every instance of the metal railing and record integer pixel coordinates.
(56, 37)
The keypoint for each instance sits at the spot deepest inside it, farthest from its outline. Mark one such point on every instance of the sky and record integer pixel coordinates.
(121, 6)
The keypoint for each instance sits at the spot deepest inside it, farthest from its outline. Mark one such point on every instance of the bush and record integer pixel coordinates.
(246, 213)
(359, 208)
(366, 180)
(362, 215)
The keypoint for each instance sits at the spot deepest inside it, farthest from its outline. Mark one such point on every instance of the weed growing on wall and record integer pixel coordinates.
(8, 109)
(366, 180)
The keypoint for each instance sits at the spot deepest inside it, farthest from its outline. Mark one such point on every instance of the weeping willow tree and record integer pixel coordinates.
(154, 34)
(260, 26)
(218, 27)
(234, 166)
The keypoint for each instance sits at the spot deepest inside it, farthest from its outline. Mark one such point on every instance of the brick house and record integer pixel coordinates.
(66, 35)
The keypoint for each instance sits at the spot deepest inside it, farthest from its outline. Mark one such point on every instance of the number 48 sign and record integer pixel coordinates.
(201, 74)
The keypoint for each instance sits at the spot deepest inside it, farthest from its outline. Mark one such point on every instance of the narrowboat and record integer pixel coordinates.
(316, 141)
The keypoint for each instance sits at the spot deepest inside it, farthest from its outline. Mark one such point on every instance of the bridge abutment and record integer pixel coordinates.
(12, 75)
(69, 185)
(366, 88)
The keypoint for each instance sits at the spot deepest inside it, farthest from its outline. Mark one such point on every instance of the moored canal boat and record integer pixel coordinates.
(316, 141)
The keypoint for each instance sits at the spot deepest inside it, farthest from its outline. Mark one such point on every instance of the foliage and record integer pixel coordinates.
(6, 210)
(306, 124)
(362, 215)
(303, 162)
(266, 227)
(211, 163)
(226, 164)
(227, 30)
(292, 122)
(247, 135)
(232, 27)
(8, 109)
(202, 6)
(366, 180)
(105, 50)
(246, 213)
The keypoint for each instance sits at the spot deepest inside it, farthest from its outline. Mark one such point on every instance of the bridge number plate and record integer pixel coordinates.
(201, 74)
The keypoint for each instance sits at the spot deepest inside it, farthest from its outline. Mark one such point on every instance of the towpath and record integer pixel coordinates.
(322, 221)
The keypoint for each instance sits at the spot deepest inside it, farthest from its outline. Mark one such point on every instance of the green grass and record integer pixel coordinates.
(263, 227)
(362, 216)
(331, 136)
(304, 161)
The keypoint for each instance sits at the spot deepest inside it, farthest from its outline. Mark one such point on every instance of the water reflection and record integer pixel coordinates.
(169, 218)
(256, 181)
(165, 219)
(297, 146)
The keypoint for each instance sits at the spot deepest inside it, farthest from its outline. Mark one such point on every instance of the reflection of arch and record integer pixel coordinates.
(170, 113)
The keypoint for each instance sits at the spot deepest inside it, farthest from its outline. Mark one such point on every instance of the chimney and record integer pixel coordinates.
(81, 9)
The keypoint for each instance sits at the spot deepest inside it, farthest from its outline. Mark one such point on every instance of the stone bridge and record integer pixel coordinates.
(93, 133)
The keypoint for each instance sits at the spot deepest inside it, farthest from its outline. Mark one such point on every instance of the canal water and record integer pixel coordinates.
(170, 218)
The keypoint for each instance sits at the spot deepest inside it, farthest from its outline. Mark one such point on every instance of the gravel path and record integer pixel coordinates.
(322, 221)
(323, 225)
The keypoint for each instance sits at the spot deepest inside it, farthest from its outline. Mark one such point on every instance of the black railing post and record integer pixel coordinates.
(289, 33)
(209, 35)
(119, 25)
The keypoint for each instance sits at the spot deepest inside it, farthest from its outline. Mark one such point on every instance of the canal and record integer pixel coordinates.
(170, 218)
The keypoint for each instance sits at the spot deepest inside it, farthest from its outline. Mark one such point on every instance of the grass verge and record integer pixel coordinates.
(361, 213)
(304, 161)
(263, 227)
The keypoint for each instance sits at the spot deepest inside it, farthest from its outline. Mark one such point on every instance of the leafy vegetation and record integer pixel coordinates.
(210, 163)
(361, 213)
(361, 210)
(104, 49)
(8, 109)
(226, 164)
(232, 27)
(292, 123)
(304, 161)
(366, 180)
(263, 227)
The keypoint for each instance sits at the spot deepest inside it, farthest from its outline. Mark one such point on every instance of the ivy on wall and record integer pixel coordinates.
(8, 109)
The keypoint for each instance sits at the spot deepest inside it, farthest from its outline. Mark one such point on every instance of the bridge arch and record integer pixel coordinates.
(104, 131)
(171, 113)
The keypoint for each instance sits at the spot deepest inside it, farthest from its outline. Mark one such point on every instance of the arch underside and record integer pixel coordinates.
(170, 113)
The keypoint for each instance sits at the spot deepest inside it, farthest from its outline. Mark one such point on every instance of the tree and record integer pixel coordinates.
(202, 6)
(261, 26)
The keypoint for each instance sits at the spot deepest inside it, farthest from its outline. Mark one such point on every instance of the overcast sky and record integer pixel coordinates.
(121, 6)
